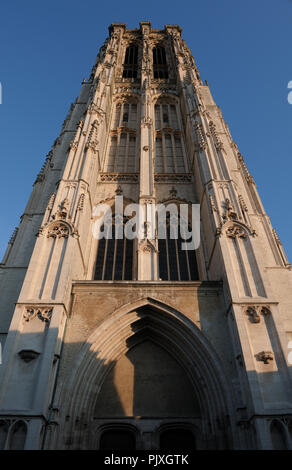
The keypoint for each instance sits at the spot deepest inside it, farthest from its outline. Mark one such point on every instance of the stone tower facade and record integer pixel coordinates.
(122, 343)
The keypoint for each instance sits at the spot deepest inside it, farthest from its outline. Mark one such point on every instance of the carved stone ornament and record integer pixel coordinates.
(58, 230)
(265, 310)
(40, 178)
(213, 203)
(119, 177)
(28, 355)
(94, 109)
(242, 203)
(246, 173)
(92, 142)
(276, 236)
(213, 132)
(147, 200)
(103, 76)
(51, 202)
(13, 236)
(254, 312)
(119, 191)
(146, 246)
(146, 121)
(42, 313)
(236, 231)
(230, 212)
(57, 142)
(280, 249)
(80, 205)
(265, 356)
(173, 178)
(63, 210)
(173, 192)
(231, 220)
(201, 141)
(73, 145)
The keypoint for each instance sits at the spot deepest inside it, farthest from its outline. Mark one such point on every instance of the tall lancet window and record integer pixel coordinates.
(122, 153)
(131, 62)
(126, 115)
(165, 115)
(175, 263)
(122, 150)
(114, 261)
(160, 69)
(170, 155)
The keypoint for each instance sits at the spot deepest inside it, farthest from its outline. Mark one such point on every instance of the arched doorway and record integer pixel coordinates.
(117, 438)
(149, 366)
(177, 439)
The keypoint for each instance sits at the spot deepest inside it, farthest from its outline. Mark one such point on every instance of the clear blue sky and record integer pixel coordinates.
(243, 49)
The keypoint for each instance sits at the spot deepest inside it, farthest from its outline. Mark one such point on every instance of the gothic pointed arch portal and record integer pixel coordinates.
(146, 365)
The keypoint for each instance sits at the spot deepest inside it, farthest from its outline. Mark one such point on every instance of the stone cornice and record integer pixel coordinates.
(202, 287)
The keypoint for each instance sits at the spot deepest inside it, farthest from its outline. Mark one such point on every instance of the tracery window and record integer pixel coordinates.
(176, 264)
(114, 261)
(170, 154)
(126, 115)
(160, 69)
(165, 116)
(122, 151)
(131, 62)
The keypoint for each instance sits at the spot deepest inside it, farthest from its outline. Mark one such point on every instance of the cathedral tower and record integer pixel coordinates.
(123, 342)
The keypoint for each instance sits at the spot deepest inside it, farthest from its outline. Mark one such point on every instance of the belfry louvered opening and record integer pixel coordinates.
(131, 62)
(160, 69)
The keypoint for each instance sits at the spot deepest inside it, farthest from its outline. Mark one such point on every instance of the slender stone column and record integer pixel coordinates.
(147, 245)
